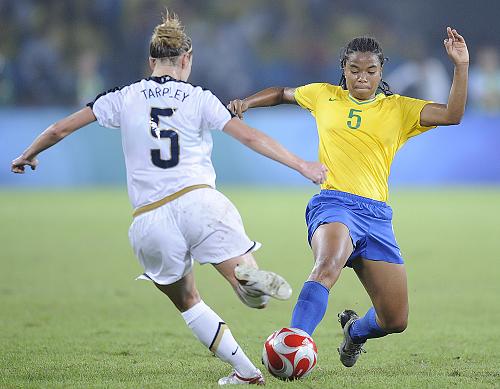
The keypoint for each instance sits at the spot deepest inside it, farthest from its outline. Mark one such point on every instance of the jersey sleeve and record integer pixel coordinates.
(107, 107)
(307, 95)
(213, 113)
(411, 109)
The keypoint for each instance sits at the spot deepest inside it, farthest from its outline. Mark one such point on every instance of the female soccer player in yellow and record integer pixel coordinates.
(361, 126)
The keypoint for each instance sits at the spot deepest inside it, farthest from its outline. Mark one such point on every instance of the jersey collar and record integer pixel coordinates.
(161, 79)
(362, 102)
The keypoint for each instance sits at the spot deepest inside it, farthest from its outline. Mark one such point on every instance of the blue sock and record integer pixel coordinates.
(311, 306)
(366, 328)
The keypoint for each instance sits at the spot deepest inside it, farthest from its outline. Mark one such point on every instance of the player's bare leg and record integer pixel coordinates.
(332, 246)
(182, 293)
(253, 285)
(386, 285)
(211, 331)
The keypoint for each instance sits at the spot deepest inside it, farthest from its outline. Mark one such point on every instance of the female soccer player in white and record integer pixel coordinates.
(361, 126)
(179, 216)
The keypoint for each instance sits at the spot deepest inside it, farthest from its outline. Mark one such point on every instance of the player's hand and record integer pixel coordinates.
(455, 47)
(315, 171)
(20, 162)
(237, 107)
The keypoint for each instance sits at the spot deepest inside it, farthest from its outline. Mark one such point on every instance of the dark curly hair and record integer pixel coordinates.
(364, 44)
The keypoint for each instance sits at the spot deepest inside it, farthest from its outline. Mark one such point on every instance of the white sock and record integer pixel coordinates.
(213, 332)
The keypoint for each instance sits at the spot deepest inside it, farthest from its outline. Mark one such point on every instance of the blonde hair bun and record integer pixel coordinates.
(169, 39)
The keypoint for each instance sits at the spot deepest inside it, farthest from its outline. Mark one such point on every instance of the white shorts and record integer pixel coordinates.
(201, 225)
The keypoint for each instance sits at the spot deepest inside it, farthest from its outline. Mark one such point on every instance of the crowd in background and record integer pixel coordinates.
(55, 52)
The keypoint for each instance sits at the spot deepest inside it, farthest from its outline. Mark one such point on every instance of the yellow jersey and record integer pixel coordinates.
(359, 139)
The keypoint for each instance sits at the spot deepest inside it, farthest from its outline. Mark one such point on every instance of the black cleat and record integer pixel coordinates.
(349, 351)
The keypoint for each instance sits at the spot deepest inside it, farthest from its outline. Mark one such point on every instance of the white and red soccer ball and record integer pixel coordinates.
(289, 354)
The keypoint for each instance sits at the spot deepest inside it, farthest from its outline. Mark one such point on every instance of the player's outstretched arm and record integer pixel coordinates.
(268, 147)
(451, 113)
(265, 98)
(53, 134)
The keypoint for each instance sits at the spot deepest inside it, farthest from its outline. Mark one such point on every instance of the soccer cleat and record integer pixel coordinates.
(263, 281)
(349, 351)
(235, 379)
(252, 298)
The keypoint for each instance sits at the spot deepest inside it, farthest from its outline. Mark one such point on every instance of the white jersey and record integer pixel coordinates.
(165, 127)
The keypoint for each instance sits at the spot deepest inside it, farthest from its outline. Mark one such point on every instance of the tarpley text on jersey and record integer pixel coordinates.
(177, 94)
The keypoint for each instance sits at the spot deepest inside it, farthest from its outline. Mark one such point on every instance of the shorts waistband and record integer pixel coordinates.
(361, 199)
(165, 200)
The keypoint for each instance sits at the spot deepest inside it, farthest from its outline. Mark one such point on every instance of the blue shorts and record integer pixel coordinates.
(369, 223)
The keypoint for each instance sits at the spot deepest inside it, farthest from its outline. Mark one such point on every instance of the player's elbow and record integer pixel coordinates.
(58, 131)
(249, 137)
(453, 118)
(280, 93)
(448, 121)
(275, 95)
(241, 131)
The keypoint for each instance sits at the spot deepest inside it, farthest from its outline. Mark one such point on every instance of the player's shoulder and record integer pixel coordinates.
(320, 88)
(394, 97)
(154, 86)
(331, 87)
(335, 90)
(110, 93)
(401, 100)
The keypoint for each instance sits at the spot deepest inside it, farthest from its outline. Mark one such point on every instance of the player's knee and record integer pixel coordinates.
(395, 325)
(188, 300)
(399, 326)
(327, 270)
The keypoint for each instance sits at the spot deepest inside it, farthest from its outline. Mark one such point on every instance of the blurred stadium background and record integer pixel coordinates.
(55, 56)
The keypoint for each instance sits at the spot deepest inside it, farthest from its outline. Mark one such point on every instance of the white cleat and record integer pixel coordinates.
(235, 379)
(252, 298)
(266, 282)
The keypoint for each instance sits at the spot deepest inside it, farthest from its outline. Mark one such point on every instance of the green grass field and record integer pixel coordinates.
(71, 314)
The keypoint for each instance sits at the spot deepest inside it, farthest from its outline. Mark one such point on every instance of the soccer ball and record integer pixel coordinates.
(289, 354)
